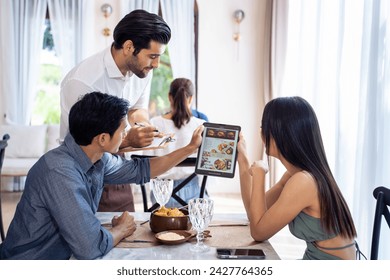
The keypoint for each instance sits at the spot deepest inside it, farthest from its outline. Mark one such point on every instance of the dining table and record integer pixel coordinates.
(227, 230)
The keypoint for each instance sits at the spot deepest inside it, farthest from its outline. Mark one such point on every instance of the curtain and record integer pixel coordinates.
(275, 46)
(21, 41)
(66, 18)
(180, 17)
(373, 136)
(6, 69)
(337, 58)
(276, 19)
(129, 5)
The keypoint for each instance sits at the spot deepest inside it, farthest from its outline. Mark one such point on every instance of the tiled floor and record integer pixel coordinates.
(287, 246)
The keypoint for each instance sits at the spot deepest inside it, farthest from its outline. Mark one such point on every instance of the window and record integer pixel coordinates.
(46, 108)
(162, 78)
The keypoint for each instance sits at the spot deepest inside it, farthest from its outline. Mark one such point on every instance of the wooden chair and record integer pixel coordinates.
(185, 163)
(3, 144)
(382, 196)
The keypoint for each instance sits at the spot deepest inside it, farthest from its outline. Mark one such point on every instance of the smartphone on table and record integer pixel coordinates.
(248, 254)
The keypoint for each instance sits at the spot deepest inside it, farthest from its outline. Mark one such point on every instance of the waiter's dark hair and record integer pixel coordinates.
(141, 27)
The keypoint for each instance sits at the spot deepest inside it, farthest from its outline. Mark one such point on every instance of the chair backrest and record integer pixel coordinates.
(3, 145)
(185, 163)
(382, 196)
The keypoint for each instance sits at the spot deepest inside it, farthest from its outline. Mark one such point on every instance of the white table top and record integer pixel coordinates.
(220, 238)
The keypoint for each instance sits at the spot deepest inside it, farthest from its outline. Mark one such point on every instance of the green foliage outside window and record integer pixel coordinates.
(46, 108)
(47, 101)
(162, 78)
(48, 43)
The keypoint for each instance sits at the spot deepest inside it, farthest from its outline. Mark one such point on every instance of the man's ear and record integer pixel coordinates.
(128, 47)
(102, 139)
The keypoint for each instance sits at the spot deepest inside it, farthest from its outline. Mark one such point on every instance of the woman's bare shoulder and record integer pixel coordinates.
(301, 183)
(302, 178)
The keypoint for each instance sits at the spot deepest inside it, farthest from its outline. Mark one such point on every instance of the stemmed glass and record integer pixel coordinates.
(200, 211)
(162, 190)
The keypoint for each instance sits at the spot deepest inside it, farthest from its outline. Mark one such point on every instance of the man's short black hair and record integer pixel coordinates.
(141, 27)
(96, 113)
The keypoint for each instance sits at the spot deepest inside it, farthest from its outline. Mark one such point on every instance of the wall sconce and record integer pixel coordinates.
(238, 17)
(107, 11)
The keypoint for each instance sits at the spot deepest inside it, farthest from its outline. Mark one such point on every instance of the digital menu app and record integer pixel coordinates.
(218, 150)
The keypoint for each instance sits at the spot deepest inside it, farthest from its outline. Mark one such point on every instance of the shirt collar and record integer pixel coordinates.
(112, 69)
(77, 153)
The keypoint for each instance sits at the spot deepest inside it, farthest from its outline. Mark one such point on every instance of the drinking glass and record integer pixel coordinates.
(200, 211)
(162, 190)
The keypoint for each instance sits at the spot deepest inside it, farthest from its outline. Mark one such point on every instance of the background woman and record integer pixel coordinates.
(307, 197)
(182, 123)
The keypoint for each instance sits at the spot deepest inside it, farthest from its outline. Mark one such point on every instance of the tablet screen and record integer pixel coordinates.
(218, 151)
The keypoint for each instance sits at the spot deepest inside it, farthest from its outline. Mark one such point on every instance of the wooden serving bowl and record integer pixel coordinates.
(163, 223)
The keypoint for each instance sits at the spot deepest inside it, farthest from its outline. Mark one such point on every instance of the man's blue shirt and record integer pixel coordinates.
(55, 217)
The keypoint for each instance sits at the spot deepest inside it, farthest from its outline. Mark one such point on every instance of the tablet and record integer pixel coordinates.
(217, 153)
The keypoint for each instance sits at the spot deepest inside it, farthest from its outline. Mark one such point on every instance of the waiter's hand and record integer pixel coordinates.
(140, 136)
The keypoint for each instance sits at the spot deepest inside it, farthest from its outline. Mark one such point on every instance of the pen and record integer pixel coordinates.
(167, 139)
(142, 125)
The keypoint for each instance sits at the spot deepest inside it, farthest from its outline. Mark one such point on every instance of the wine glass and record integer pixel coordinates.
(162, 190)
(200, 211)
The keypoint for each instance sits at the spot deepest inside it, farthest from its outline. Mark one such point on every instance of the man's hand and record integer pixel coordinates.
(196, 139)
(122, 226)
(140, 136)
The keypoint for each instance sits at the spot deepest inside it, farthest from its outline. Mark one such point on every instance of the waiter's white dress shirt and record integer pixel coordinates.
(100, 73)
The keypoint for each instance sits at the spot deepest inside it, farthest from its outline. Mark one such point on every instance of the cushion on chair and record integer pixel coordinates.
(17, 166)
(25, 141)
(53, 135)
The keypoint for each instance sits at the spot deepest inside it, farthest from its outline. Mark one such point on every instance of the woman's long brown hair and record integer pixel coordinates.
(293, 124)
(180, 90)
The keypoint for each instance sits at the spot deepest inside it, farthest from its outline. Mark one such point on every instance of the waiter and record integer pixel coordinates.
(123, 70)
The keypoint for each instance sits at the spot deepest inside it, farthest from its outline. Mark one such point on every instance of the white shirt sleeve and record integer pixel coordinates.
(70, 93)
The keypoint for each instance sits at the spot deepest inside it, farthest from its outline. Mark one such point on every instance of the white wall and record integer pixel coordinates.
(230, 87)
(95, 40)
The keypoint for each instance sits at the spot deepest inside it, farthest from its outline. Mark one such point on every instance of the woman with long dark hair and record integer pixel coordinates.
(307, 197)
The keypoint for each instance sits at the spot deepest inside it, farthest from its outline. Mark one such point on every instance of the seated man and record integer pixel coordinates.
(55, 217)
